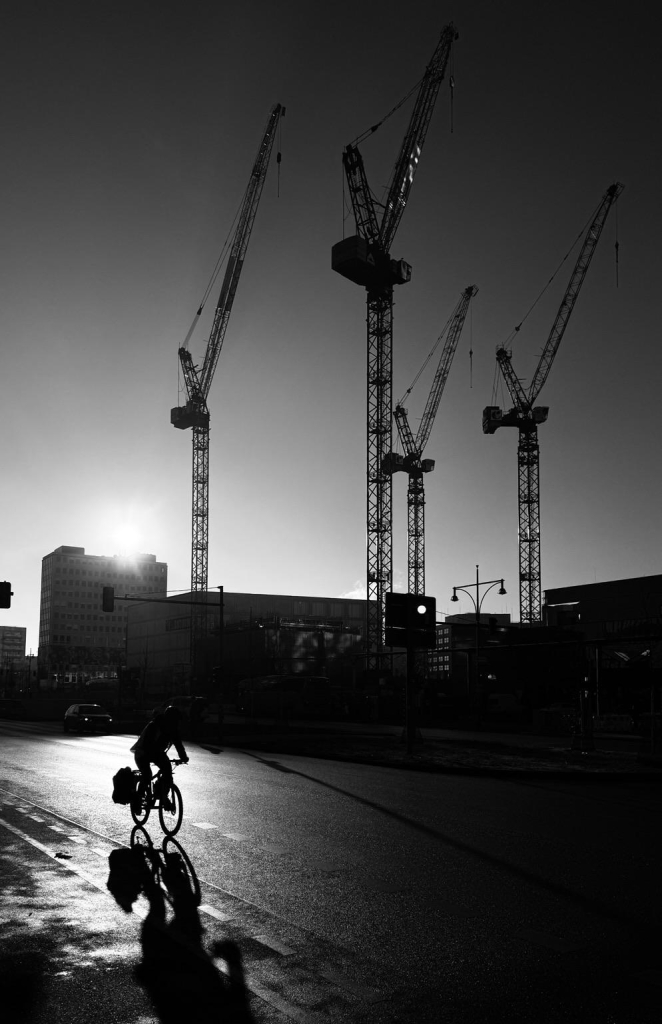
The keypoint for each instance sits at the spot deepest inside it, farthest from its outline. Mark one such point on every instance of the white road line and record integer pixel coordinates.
(275, 944)
(51, 853)
(35, 817)
(238, 837)
(78, 839)
(205, 908)
(101, 852)
(294, 1012)
(56, 828)
(203, 824)
(368, 993)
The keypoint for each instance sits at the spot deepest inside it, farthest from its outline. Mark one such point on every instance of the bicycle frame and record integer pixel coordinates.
(148, 797)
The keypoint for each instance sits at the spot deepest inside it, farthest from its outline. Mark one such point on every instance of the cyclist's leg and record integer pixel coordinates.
(162, 762)
(144, 767)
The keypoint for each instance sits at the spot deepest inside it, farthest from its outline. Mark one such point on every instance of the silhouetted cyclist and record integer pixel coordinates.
(151, 747)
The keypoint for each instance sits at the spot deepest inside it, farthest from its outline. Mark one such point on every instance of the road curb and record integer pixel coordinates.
(458, 769)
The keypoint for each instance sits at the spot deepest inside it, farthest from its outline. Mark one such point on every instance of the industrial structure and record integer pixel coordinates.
(256, 634)
(526, 416)
(412, 462)
(195, 413)
(365, 259)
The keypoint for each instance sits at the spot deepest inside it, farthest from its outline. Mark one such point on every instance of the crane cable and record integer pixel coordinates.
(427, 360)
(370, 131)
(582, 232)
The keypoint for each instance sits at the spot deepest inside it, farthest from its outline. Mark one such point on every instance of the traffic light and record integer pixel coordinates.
(108, 599)
(396, 610)
(5, 594)
(410, 620)
(424, 620)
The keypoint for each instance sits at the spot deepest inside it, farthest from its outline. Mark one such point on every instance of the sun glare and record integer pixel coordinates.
(127, 539)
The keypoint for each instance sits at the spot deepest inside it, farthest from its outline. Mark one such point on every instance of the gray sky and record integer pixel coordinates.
(129, 131)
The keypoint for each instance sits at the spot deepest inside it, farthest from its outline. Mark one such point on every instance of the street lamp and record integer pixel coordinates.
(478, 603)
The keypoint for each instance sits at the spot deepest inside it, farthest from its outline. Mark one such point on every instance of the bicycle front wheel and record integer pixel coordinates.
(184, 868)
(141, 803)
(171, 820)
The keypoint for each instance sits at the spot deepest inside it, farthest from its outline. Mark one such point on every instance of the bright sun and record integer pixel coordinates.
(128, 539)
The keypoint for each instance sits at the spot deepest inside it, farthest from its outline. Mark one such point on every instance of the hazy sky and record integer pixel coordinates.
(129, 132)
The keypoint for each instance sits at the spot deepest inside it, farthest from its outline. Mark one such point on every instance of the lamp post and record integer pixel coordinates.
(478, 603)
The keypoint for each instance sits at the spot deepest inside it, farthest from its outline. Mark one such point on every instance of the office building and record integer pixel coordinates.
(78, 641)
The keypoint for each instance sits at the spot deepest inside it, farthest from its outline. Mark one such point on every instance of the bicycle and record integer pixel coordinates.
(148, 796)
(170, 866)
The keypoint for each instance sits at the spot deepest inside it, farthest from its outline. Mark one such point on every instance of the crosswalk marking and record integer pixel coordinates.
(203, 824)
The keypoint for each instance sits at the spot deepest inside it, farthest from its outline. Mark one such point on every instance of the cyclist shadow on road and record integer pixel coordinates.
(176, 970)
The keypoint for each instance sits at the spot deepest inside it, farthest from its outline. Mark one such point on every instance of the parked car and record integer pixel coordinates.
(12, 708)
(87, 716)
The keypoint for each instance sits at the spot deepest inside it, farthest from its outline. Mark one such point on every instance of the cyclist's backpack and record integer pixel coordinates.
(124, 786)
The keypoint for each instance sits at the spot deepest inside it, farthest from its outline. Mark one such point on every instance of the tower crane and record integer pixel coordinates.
(195, 413)
(412, 462)
(526, 416)
(365, 259)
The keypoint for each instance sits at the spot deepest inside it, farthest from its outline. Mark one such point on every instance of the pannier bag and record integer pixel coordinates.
(127, 871)
(124, 786)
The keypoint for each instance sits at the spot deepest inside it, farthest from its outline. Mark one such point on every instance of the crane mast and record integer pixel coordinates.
(412, 463)
(195, 413)
(526, 417)
(365, 259)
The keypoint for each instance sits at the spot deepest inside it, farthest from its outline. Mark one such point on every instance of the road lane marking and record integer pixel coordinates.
(203, 824)
(367, 993)
(205, 908)
(238, 837)
(294, 1012)
(78, 839)
(77, 870)
(56, 828)
(35, 817)
(275, 944)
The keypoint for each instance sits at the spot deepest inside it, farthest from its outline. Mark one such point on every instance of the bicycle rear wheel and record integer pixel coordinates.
(171, 820)
(141, 803)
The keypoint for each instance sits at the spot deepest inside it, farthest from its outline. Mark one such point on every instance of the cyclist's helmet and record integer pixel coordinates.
(172, 715)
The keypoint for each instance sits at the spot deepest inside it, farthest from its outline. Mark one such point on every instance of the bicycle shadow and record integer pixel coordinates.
(177, 972)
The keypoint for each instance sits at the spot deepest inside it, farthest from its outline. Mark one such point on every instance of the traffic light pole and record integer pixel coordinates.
(220, 693)
(410, 698)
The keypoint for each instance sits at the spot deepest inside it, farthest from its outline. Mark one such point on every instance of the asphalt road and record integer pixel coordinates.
(356, 894)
